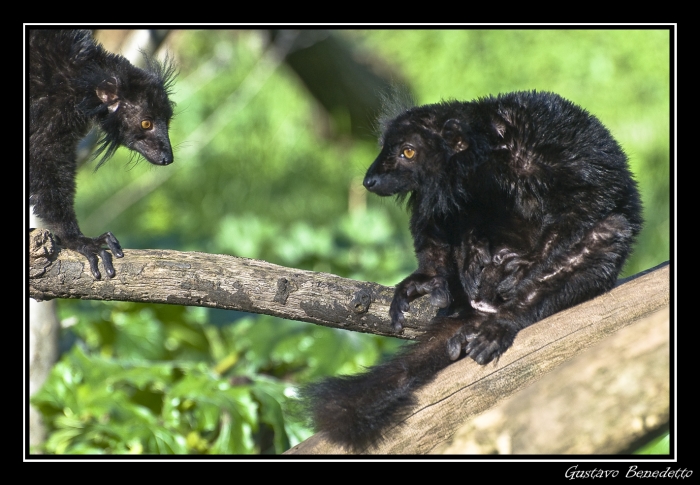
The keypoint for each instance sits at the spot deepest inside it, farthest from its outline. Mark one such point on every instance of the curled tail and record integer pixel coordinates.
(355, 411)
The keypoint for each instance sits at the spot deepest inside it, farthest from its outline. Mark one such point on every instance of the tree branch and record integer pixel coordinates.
(220, 281)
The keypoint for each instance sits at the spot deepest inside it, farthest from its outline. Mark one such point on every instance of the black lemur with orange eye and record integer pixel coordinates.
(521, 205)
(74, 84)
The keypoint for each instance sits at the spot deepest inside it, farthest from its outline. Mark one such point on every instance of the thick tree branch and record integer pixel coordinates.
(465, 389)
(611, 398)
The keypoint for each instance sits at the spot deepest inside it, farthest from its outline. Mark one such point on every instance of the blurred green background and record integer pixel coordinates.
(273, 133)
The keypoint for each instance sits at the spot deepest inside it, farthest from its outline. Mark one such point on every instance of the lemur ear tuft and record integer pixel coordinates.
(499, 127)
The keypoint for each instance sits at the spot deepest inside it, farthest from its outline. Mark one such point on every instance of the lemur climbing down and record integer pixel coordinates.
(75, 84)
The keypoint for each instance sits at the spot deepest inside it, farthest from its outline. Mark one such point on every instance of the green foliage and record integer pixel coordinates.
(360, 245)
(261, 171)
(158, 379)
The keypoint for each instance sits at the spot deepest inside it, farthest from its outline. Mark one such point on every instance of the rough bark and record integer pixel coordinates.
(609, 399)
(220, 281)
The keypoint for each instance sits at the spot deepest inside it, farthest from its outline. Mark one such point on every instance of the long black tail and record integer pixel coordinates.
(355, 411)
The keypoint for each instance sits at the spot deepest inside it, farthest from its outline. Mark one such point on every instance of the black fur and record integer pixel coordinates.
(521, 205)
(75, 84)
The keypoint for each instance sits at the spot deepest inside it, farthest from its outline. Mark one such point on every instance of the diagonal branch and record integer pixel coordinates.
(635, 315)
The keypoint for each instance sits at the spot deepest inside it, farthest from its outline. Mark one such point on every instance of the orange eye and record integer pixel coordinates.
(409, 153)
(146, 124)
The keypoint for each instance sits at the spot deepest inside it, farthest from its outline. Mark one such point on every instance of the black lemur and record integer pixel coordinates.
(521, 205)
(75, 84)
